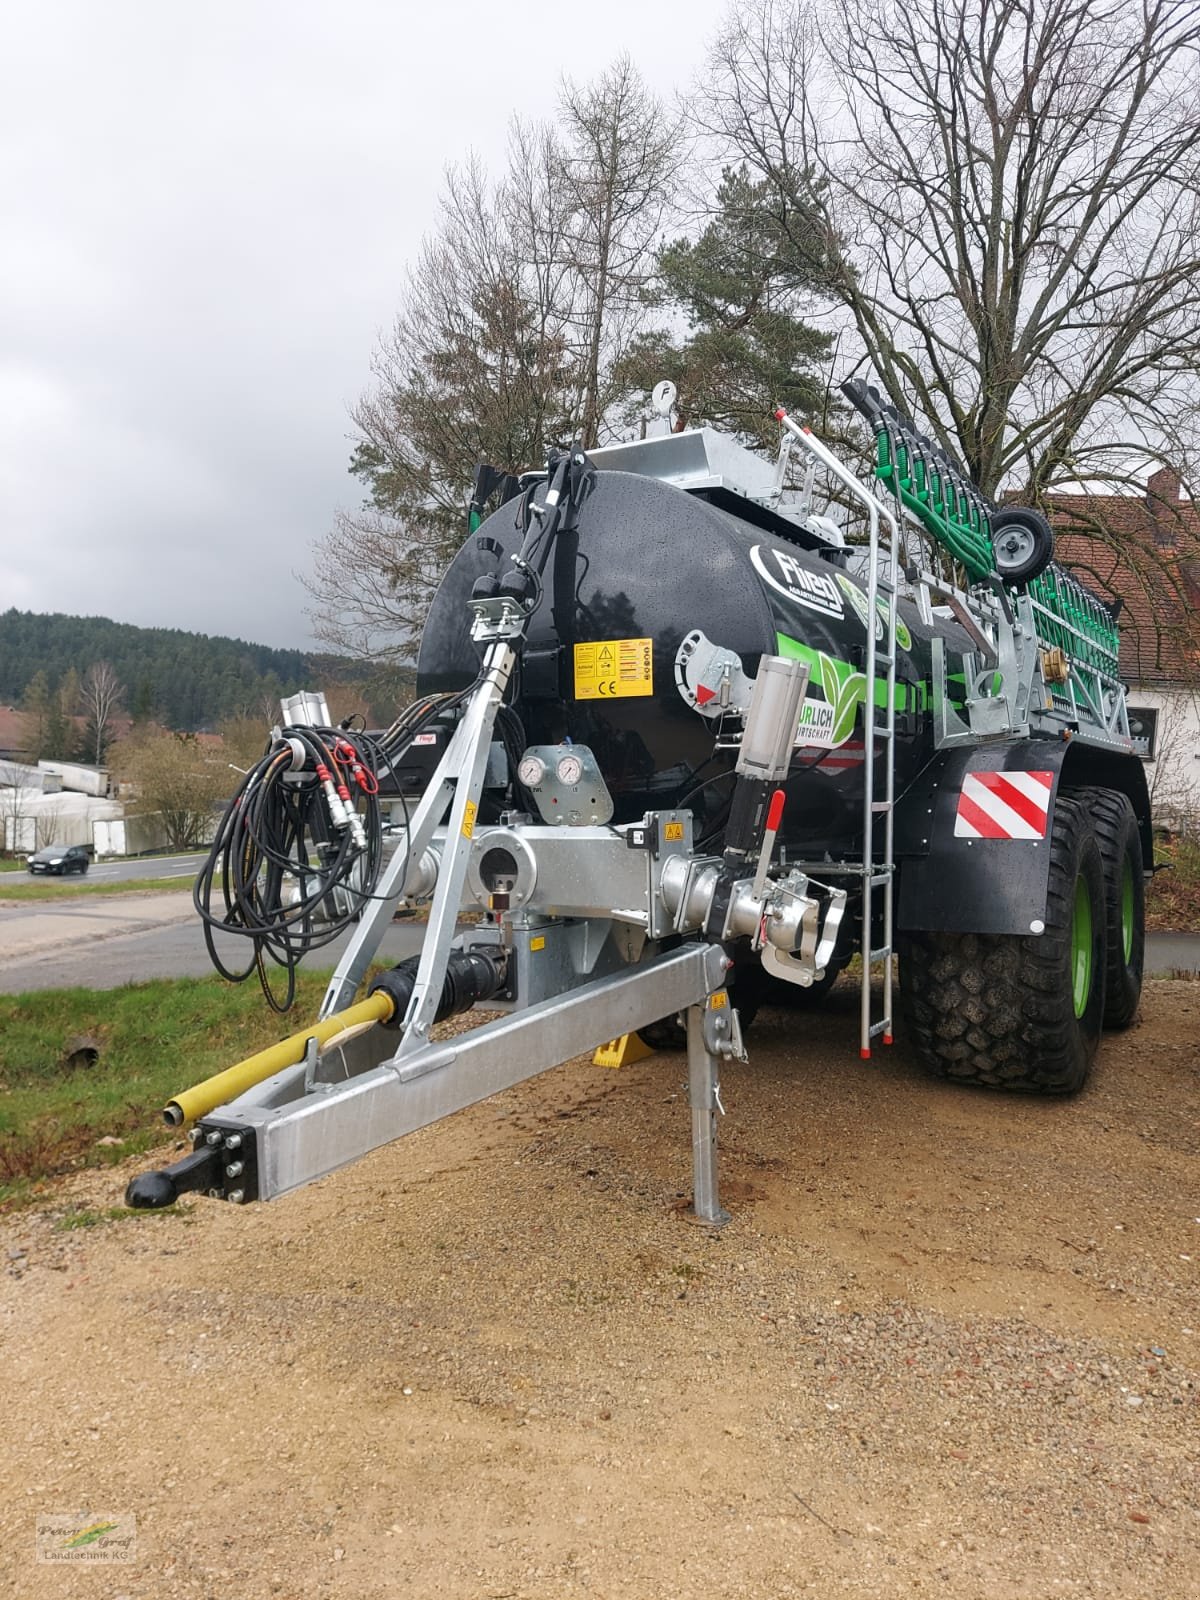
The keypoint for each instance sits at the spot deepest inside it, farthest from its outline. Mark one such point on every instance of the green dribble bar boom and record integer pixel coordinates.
(957, 517)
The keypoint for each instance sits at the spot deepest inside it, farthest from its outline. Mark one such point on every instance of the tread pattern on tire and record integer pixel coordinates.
(993, 1009)
(1114, 823)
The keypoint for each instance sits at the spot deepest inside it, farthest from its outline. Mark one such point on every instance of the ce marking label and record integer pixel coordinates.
(614, 669)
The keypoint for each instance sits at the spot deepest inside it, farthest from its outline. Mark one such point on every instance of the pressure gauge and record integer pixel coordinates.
(569, 770)
(531, 771)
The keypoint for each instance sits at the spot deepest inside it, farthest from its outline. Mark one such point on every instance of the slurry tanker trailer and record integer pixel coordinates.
(685, 745)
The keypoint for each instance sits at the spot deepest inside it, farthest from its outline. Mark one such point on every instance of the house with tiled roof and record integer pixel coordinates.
(1143, 551)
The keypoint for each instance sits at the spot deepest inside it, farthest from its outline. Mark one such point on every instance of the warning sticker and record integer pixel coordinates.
(1004, 805)
(613, 669)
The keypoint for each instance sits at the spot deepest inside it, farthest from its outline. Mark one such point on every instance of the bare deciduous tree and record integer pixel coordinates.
(14, 807)
(1011, 204)
(476, 368)
(99, 695)
(619, 155)
(177, 778)
(511, 319)
(1174, 774)
(46, 825)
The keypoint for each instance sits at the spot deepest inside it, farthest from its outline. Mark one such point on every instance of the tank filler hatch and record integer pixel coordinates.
(703, 462)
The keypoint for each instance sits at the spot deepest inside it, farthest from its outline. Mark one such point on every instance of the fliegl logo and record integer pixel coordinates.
(791, 578)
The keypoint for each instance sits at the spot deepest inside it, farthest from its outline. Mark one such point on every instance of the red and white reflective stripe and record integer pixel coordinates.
(842, 757)
(1004, 805)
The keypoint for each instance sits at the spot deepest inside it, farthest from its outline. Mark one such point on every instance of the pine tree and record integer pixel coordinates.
(144, 701)
(740, 288)
(36, 706)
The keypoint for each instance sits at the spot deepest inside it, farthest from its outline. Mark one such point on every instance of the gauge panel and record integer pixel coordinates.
(565, 784)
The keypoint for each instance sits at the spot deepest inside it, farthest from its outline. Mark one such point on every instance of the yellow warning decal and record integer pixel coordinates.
(469, 811)
(614, 669)
(539, 943)
(672, 830)
(718, 1001)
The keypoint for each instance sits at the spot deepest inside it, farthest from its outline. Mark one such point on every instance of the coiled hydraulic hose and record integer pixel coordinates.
(299, 851)
(299, 848)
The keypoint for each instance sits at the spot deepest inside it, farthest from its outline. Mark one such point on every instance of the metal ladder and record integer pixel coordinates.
(877, 876)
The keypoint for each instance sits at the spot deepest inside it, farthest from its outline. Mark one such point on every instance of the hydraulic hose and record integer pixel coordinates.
(298, 851)
(197, 1102)
(471, 976)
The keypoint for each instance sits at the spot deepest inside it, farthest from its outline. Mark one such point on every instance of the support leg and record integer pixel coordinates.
(703, 1089)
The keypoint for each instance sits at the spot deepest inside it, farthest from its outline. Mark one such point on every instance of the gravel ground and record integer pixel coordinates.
(947, 1346)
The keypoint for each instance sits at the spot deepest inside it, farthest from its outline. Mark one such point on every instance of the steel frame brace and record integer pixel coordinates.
(301, 1136)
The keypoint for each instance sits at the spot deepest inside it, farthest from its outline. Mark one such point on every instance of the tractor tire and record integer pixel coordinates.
(1120, 844)
(668, 1033)
(1011, 1011)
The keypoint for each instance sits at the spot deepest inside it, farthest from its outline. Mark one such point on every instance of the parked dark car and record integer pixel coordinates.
(61, 858)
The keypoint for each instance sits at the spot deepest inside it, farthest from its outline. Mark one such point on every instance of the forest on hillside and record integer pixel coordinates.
(186, 681)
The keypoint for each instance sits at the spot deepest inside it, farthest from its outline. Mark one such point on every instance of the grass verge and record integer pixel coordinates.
(154, 1038)
(79, 888)
(1173, 897)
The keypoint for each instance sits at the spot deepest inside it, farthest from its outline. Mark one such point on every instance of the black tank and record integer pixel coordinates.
(647, 565)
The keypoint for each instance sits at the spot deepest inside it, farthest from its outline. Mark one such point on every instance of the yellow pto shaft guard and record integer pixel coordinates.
(205, 1097)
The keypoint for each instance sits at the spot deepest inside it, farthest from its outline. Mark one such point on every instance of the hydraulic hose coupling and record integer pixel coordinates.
(339, 812)
(471, 976)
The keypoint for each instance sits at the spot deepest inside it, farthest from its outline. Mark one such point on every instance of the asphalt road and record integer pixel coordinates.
(106, 941)
(145, 867)
(121, 871)
(117, 940)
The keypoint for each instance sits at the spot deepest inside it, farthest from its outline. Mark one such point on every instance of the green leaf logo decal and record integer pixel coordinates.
(845, 707)
(844, 691)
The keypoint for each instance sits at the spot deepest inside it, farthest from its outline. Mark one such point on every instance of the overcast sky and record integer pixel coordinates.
(205, 216)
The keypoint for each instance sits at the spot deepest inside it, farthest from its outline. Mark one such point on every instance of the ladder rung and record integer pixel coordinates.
(877, 879)
(881, 805)
(878, 955)
(885, 661)
(880, 1027)
(885, 584)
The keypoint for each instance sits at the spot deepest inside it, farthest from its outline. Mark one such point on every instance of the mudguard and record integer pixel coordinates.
(973, 842)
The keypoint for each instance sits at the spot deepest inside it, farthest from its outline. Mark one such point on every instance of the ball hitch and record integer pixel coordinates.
(150, 1191)
(224, 1165)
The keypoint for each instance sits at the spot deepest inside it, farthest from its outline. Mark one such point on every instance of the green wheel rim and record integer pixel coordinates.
(1081, 946)
(1127, 909)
